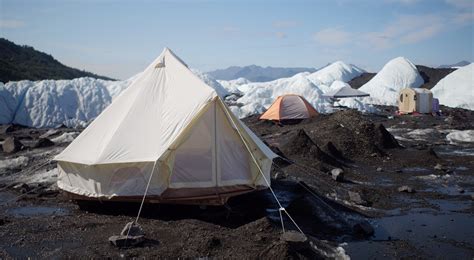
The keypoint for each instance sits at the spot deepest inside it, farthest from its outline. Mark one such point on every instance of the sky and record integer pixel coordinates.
(119, 38)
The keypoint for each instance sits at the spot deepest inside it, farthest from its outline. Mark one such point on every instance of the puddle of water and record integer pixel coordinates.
(415, 169)
(451, 150)
(440, 236)
(30, 211)
(6, 197)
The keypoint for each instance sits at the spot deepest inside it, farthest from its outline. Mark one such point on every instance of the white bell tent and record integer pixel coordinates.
(170, 130)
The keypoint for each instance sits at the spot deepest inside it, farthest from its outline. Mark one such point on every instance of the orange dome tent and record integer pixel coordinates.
(289, 106)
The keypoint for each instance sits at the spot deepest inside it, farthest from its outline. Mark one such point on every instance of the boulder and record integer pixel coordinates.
(43, 142)
(132, 235)
(357, 199)
(406, 188)
(12, 145)
(379, 169)
(124, 241)
(295, 239)
(337, 174)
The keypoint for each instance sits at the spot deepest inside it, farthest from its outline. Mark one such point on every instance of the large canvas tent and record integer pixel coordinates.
(170, 125)
(289, 107)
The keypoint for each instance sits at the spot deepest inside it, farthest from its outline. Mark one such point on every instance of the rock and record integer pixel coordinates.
(363, 228)
(438, 167)
(373, 154)
(399, 171)
(12, 145)
(357, 199)
(132, 235)
(295, 239)
(472, 196)
(6, 129)
(124, 241)
(406, 188)
(135, 230)
(43, 142)
(461, 190)
(293, 236)
(337, 174)
(280, 176)
(379, 169)
(49, 133)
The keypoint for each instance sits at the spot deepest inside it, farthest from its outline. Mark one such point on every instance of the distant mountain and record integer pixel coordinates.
(256, 73)
(455, 65)
(24, 62)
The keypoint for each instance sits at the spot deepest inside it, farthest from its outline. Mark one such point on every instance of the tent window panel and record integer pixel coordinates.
(233, 155)
(401, 98)
(193, 158)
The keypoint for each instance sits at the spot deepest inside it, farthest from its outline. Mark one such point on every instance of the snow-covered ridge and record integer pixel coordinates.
(259, 96)
(74, 103)
(457, 88)
(335, 71)
(397, 74)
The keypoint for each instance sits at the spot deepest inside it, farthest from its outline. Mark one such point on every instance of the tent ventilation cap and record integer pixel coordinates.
(160, 64)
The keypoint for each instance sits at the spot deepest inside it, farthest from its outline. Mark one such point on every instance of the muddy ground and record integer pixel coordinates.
(378, 153)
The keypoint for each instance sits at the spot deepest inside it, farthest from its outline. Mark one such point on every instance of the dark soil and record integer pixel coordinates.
(376, 153)
(432, 76)
(359, 81)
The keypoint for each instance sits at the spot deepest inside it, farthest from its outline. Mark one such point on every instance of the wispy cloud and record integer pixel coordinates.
(405, 2)
(332, 36)
(406, 29)
(11, 24)
(280, 35)
(461, 3)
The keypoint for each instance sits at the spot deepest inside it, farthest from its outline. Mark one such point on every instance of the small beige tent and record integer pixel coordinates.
(170, 130)
(418, 100)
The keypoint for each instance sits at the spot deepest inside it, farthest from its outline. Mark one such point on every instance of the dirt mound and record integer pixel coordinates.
(458, 118)
(349, 134)
(431, 76)
(359, 81)
(299, 145)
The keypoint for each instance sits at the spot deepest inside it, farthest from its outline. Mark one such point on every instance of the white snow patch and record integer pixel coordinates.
(397, 74)
(335, 71)
(232, 86)
(209, 80)
(466, 136)
(65, 137)
(49, 177)
(13, 163)
(457, 88)
(74, 103)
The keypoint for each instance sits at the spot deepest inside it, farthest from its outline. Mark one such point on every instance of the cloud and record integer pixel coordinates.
(463, 18)
(421, 34)
(332, 36)
(405, 2)
(461, 3)
(280, 35)
(11, 24)
(406, 29)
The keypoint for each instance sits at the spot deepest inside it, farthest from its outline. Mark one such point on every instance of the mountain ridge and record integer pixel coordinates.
(26, 63)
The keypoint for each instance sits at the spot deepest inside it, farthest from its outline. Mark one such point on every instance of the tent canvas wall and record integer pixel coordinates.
(415, 100)
(288, 107)
(170, 125)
